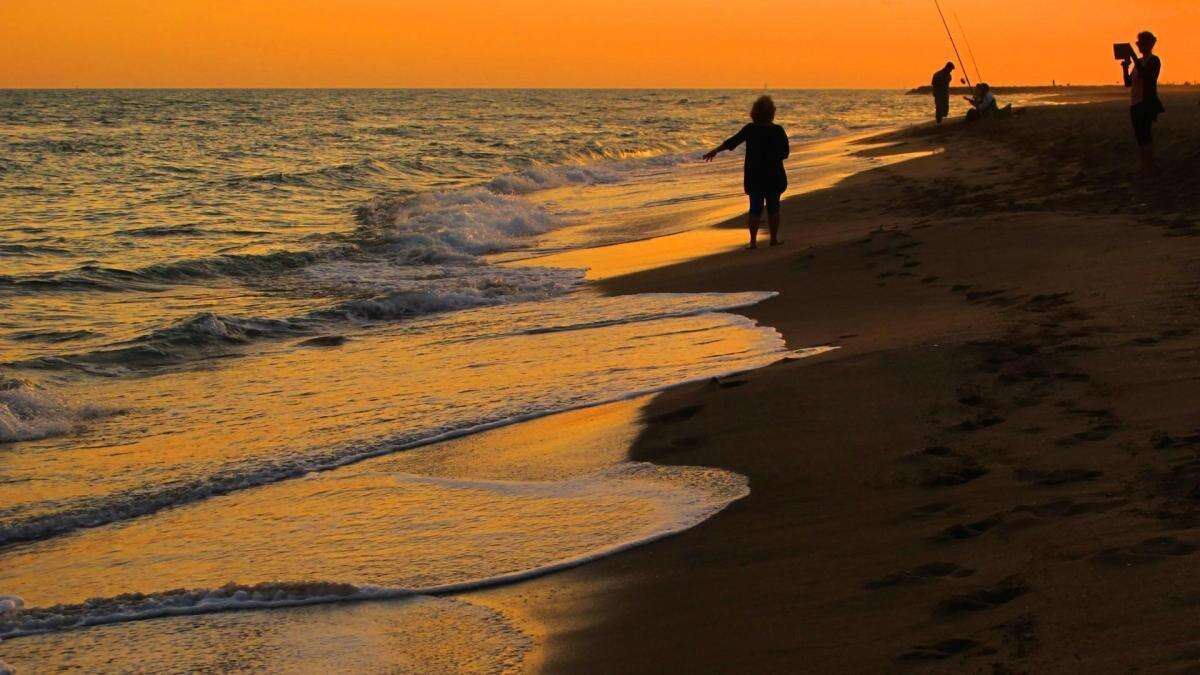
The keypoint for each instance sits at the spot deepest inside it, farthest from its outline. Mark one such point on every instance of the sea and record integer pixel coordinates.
(242, 331)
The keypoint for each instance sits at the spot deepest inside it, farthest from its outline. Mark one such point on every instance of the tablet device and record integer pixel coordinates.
(1122, 51)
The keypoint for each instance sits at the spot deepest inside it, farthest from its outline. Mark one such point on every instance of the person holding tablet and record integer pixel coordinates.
(1145, 106)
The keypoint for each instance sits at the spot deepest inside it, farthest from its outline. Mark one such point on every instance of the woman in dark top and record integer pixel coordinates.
(764, 177)
(1145, 106)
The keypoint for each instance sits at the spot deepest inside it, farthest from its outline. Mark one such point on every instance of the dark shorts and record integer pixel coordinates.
(760, 199)
(1143, 117)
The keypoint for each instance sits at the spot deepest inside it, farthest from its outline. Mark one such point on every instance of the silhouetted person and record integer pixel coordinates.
(764, 176)
(941, 92)
(983, 103)
(1145, 106)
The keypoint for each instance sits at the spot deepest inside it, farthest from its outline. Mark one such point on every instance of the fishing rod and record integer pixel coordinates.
(967, 41)
(954, 44)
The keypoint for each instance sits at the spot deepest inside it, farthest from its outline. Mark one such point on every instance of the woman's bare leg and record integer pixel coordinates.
(755, 223)
(773, 223)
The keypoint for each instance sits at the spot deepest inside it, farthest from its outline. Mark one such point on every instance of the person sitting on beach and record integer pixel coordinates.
(1145, 106)
(941, 92)
(764, 178)
(983, 103)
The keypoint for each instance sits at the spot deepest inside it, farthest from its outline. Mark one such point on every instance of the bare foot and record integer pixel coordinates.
(751, 247)
(777, 243)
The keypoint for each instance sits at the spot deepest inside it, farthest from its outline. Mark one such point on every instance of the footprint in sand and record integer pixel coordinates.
(964, 531)
(938, 651)
(1148, 551)
(920, 575)
(982, 599)
(1056, 477)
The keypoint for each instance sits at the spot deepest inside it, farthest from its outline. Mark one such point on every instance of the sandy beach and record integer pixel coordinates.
(996, 471)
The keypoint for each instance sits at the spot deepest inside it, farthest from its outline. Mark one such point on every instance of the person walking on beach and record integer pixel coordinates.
(1145, 106)
(941, 92)
(764, 177)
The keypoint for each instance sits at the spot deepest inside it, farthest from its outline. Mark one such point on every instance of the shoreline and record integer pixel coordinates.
(975, 479)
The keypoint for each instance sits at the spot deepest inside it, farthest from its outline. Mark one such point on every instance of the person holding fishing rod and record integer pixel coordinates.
(1145, 106)
(764, 177)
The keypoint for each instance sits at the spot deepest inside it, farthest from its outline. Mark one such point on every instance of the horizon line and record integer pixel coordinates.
(535, 88)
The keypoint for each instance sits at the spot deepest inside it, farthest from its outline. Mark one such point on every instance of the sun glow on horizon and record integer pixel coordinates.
(586, 43)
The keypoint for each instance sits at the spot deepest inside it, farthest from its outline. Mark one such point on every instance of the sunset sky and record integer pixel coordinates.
(576, 43)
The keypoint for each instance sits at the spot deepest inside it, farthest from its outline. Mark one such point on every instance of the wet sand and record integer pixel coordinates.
(997, 471)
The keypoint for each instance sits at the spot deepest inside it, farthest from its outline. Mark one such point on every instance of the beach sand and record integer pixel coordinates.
(999, 469)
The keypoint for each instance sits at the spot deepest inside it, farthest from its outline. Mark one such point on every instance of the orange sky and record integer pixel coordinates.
(572, 43)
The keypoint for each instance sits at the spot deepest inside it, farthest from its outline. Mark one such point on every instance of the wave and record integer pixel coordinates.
(405, 293)
(726, 302)
(30, 412)
(591, 168)
(154, 277)
(52, 336)
(26, 251)
(67, 146)
(688, 495)
(534, 179)
(429, 229)
(167, 231)
(439, 227)
(333, 175)
(150, 498)
(421, 634)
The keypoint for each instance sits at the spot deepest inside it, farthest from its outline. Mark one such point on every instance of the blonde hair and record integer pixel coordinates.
(763, 110)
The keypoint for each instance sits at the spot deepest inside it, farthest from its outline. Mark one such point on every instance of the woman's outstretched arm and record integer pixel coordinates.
(729, 144)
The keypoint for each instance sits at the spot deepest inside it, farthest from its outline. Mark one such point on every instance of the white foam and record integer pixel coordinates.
(533, 179)
(438, 227)
(29, 412)
(404, 291)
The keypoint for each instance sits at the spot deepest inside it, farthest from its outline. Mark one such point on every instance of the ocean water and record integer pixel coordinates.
(225, 314)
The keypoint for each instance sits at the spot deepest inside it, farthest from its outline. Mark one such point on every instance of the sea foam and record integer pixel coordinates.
(29, 412)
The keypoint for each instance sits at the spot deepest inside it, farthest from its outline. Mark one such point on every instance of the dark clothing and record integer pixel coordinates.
(1143, 116)
(983, 105)
(760, 199)
(766, 148)
(1143, 81)
(941, 94)
(1145, 105)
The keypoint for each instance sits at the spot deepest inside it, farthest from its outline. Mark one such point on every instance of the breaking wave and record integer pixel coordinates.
(30, 412)
(149, 498)
(403, 293)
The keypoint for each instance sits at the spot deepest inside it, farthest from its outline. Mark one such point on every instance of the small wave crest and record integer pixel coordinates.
(153, 277)
(19, 621)
(594, 168)
(30, 412)
(396, 293)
